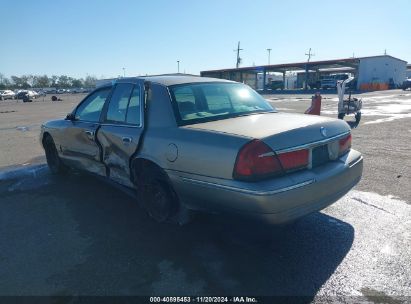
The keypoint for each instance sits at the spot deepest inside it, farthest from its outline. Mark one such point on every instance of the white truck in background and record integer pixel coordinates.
(330, 81)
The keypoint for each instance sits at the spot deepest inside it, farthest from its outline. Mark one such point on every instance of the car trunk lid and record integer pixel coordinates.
(280, 131)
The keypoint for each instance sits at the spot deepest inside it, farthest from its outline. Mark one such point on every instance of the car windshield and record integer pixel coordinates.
(195, 103)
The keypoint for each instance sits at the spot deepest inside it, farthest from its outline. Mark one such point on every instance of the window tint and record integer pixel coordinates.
(211, 101)
(133, 112)
(117, 108)
(90, 109)
(217, 98)
(185, 100)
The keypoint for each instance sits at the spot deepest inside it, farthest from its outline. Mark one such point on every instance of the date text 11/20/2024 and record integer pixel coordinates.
(203, 300)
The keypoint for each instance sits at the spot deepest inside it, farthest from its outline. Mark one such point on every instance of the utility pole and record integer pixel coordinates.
(178, 66)
(309, 55)
(385, 52)
(306, 68)
(238, 55)
(269, 54)
(124, 72)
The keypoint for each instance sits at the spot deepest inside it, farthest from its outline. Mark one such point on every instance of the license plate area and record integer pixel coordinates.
(320, 156)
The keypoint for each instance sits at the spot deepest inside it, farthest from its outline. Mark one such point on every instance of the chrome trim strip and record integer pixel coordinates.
(246, 191)
(355, 162)
(313, 144)
(120, 125)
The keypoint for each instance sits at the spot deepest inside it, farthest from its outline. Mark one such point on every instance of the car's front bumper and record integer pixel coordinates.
(277, 200)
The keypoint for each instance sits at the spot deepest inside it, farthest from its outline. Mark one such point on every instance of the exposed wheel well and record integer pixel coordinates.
(139, 166)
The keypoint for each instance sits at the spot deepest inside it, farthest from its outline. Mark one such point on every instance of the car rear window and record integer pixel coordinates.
(195, 103)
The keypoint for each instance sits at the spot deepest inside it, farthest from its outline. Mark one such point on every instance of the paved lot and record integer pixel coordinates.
(78, 235)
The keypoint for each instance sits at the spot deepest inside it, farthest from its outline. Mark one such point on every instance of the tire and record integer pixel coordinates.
(54, 162)
(341, 116)
(357, 118)
(156, 195)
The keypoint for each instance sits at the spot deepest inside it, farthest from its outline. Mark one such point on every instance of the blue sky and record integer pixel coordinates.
(99, 38)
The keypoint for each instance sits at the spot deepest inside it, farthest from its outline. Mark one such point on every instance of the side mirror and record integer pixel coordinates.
(71, 117)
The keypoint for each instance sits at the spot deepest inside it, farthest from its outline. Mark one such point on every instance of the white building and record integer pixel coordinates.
(380, 70)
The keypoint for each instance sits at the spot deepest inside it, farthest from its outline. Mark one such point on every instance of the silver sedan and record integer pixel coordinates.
(185, 143)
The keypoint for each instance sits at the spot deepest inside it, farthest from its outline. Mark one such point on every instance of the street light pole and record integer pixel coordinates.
(178, 66)
(269, 54)
(124, 72)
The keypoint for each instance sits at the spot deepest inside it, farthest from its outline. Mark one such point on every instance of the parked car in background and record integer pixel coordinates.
(41, 93)
(406, 84)
(275, 85)
(186, 143)
(7, 94)
(22, 93)
(85, 90)
(50, 91)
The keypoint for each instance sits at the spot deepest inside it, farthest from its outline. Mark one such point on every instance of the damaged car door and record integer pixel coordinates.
(120, 130)
(80, 147)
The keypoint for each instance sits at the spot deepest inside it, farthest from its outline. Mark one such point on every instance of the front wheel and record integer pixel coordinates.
(53, 160)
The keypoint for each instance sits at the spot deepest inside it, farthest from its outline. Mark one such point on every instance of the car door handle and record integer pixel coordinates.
(127, 140)
(90, 134)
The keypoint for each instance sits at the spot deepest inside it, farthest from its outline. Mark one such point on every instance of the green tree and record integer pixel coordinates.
(17, 82)
(54, 81)
(30, 80)
(25, 81)
(64, 81)
(42, 81)
(76, 83)
(90, 81)
(4, 82)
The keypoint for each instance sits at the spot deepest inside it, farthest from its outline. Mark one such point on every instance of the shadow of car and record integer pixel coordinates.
(93, 239)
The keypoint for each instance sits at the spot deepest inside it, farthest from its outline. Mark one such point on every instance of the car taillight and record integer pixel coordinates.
(294, 160)
(345, 145)
(257, 161)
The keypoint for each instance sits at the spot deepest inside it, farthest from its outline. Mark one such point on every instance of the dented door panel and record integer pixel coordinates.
(80, 147)
(118, 144)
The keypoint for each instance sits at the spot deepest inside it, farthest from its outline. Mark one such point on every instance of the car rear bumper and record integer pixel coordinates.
(278, 200)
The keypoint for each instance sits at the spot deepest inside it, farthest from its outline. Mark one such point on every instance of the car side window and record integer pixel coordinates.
(117, 107)
(134, 111)
(90, 109)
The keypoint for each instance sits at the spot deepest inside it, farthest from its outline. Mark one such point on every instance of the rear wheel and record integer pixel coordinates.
(53, 160)
(156, 195)
(358, 118)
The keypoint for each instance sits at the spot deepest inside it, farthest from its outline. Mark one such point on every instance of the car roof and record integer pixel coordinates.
(173, 79)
